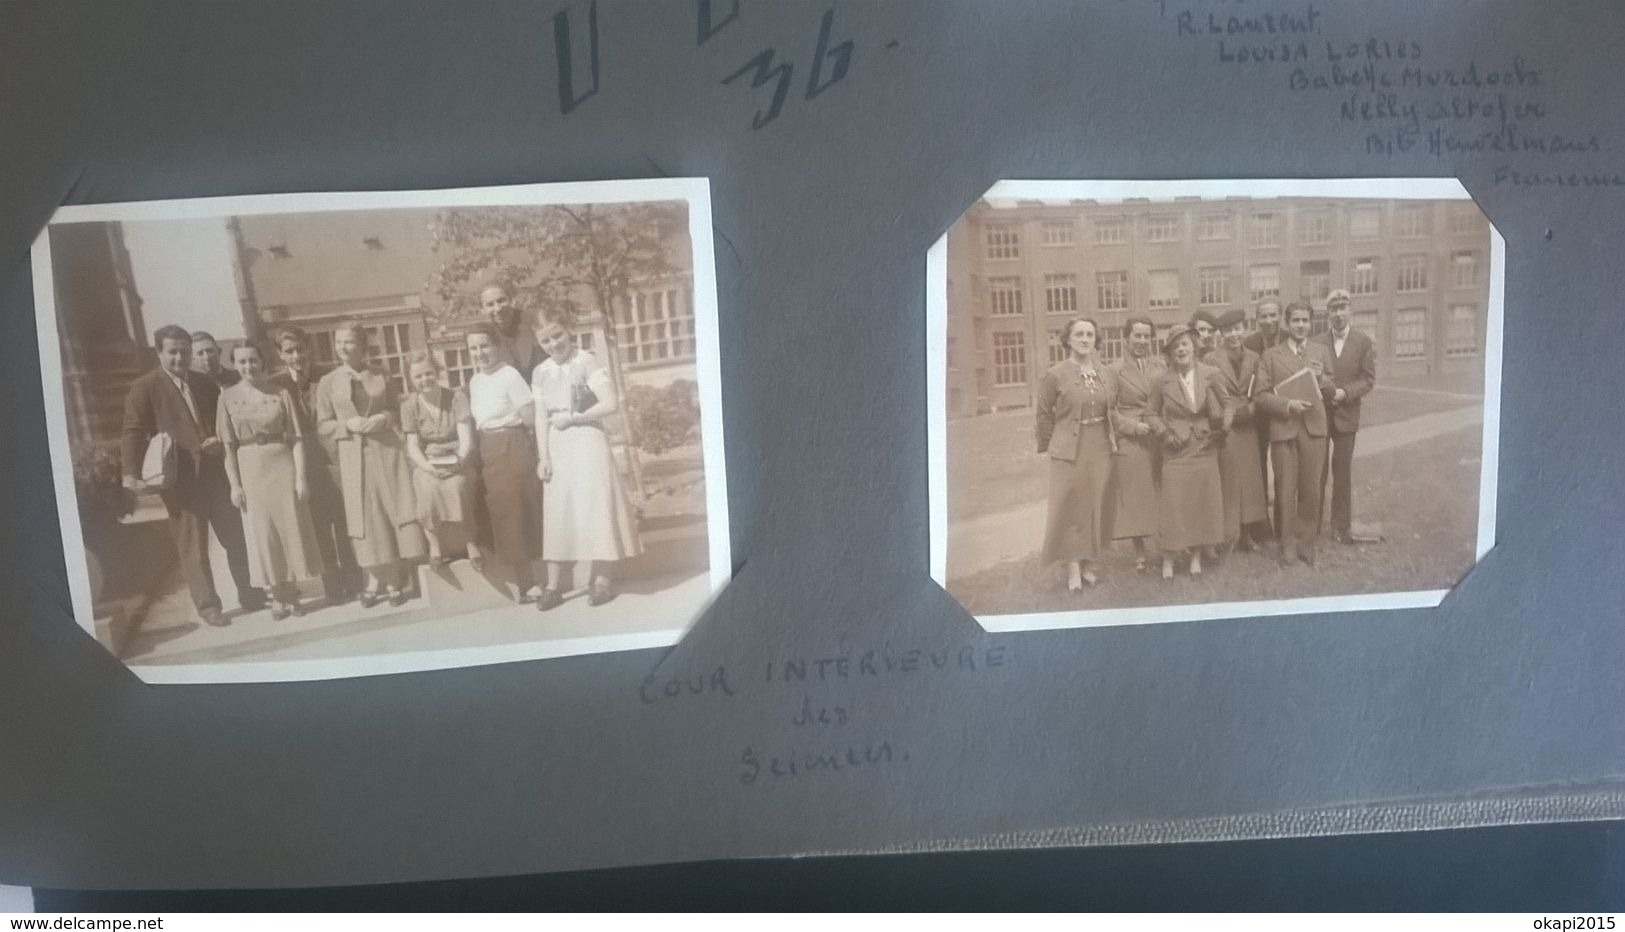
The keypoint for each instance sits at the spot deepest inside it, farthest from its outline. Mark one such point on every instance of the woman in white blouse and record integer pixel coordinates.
(500, 403)
(588, 516)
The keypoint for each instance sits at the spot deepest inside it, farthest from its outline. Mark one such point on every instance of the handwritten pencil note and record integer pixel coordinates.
(1393, 96)
(814, 739)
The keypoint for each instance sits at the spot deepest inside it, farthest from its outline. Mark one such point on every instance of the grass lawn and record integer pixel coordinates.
(1424, 498)
(992, 466)
(674, 481)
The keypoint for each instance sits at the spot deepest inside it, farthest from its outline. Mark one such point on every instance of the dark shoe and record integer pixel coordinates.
(280, 611)
(369, 598)
(1309, 555)
(548, 598)
(252, 601)
(398, 597)
(213, 617)
(601, 591)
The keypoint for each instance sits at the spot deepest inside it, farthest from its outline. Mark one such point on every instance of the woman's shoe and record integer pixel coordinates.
(438, 561)
(397, 597)
(1167, 568)
(1090, 579)
(600, 592)
(280, 611)
(548, 598)
(369, 598)
(1139, 564)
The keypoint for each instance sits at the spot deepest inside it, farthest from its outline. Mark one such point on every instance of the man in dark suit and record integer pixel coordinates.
(1268, 334)
(1354, 370)
(180, 402)
(518, 341)
(326, 503)
(1297, 430)
(206, 359)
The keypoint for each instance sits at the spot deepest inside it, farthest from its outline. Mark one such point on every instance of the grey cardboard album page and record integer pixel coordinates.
(457, 440)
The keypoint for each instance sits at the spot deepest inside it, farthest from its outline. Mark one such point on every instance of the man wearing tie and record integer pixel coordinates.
(299, 376)
(175, 400)
(1354, 370)
(1297, 430)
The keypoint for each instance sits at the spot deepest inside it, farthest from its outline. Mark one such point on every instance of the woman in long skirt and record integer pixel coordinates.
(500, 403)
(1240, 472)
(265, 464)
(1075, 398)
(440, 443)
(1188, 404)
(588, 515)
(357, 410)
(1135, 465)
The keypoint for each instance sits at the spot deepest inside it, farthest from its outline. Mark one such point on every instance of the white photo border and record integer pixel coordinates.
(695, 192)
(936, 374)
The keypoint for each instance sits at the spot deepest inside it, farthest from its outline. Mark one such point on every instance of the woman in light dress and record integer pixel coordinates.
(440, 443)
(265, 464)
(357, 410)
(588, 515)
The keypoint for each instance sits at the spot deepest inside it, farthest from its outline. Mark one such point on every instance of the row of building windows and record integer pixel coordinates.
(1410, 341)
(661, 329)
(1412, 274)
(1263, 229)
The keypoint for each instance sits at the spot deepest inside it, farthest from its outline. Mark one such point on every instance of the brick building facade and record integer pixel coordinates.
(1418, 271)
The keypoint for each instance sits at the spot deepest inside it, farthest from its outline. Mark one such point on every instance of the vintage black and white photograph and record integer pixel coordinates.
(313, 436)
(1169, 401)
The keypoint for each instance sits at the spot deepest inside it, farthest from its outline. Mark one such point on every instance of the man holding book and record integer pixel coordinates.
(1292, 379)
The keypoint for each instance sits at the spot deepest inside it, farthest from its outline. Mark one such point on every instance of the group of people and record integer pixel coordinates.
(306, 471)
(1179, 450)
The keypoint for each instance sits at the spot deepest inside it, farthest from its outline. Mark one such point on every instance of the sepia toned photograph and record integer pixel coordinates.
(1169, 401)
(314, 436)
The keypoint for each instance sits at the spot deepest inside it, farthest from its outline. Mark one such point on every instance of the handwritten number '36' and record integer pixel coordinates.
(762, 71)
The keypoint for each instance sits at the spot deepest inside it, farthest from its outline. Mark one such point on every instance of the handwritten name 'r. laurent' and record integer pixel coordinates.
(1294, 23)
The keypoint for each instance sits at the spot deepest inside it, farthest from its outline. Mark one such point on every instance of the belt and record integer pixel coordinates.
(260, 440)
(498, 430)
(1084, 422)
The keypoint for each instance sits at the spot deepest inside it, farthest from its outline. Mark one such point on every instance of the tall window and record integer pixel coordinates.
(1462, 339)
(1004, 296)
(1413, 273)
(1110, 342)
(1263, 281)
(1111, 291)
(1061, 293)
(1365, 223)
(1060, 233)
(1058, 349)
(1315, 279)
(1010, 358)
(1162, 228)
(1363, 276)
(1464, 218)
(662, 327)
(1213, 226)
(1003, 241)
(455, 363)
(1164, 290)
(1411, 220)
(1109, 231)
(1465, 266)
(1214, 284)
(1365, 320)
(1315, 227)
(1264, 230)
(1411, 333)
(390, 344)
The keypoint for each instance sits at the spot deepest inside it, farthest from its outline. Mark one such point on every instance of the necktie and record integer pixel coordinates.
(186, 395)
